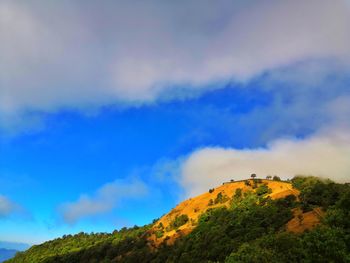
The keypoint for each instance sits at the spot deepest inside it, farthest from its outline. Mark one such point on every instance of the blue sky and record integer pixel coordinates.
(110, 114)
(76, 154)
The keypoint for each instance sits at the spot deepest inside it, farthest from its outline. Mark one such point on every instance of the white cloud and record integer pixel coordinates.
(326, 154)
(7, 207)
(62, 54)
(105, 200)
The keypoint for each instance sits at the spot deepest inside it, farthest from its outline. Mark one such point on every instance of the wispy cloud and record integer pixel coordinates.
(7, 207)
(103, 201)
(63, 54)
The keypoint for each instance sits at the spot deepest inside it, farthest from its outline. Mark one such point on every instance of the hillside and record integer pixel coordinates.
(218, 197)
(305, 220)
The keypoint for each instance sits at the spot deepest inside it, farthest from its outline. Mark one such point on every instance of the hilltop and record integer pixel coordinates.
(254, 220)
(193, 208)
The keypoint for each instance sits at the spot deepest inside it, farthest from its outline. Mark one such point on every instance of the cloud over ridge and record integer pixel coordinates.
(325, 154)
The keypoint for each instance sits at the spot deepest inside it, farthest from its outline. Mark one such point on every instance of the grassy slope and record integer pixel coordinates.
(198, 205)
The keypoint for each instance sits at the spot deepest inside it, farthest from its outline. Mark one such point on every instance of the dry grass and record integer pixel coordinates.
(195, 206)
(304, 221)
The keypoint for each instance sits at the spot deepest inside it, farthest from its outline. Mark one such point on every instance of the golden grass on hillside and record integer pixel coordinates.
(195, 206)
(304, 221)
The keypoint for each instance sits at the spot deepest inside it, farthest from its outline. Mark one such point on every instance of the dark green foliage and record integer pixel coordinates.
(326, 245)
(339, 214)
(288, 201)
(179, 221)
(251, 230)
(228, 229)
(159, 233)
(276, 178)
(220, 198)
(318, 193)
(255, 184)
(262, 190)
(80, 247)
(238, 194)
(303, 182)
(320, 245)
(321, 194)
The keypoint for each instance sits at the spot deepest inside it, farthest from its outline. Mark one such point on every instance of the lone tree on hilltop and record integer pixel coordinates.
(253, 176)
(276, 178)
(268, 177)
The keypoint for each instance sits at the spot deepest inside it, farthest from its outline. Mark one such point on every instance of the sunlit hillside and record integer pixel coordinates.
(190, 210)
(255, 220)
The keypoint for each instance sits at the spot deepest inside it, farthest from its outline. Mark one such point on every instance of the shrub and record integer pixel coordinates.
(238, 193)
(159, 233)
(220, 198)
(262, 190)
(179, 221)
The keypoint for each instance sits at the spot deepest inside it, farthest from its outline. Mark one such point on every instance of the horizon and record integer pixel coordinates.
(112, 113)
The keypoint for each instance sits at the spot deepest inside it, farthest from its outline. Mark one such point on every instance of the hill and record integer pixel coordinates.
(6, 254)
(214, 198)
(305, 220)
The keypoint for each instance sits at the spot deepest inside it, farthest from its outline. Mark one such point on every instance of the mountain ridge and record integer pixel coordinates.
(254, 220)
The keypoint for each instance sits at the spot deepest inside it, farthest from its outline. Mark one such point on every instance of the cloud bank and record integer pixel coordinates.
(103, 201)
(326, 154)
(68, 55)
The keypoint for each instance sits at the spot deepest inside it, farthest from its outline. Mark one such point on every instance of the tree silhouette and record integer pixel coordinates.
(276, 178)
